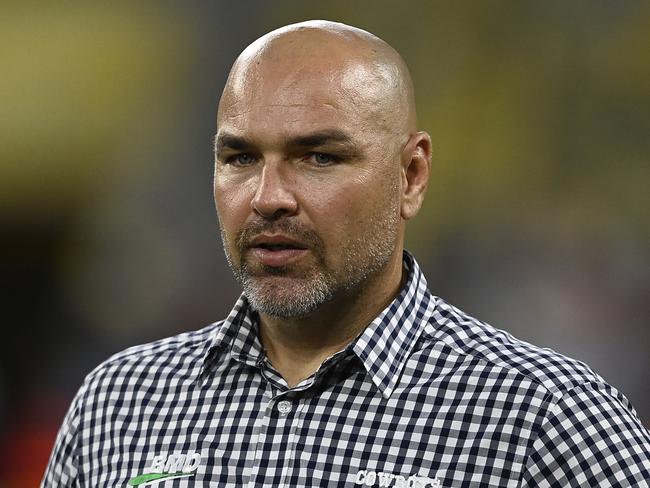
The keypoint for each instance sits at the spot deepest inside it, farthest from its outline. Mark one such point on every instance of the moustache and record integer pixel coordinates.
(300, 233)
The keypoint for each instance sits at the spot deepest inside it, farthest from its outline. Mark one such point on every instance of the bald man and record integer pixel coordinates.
(336, 366)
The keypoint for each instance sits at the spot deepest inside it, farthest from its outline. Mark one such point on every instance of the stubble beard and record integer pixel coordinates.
(285, 292)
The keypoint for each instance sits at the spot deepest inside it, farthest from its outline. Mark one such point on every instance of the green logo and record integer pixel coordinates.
(157, 477)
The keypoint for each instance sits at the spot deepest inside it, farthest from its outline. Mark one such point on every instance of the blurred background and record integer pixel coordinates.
(536, 219)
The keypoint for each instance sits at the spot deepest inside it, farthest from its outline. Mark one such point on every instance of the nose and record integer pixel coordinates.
(274, 196)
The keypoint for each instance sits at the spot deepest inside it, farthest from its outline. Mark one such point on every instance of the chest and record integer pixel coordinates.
(341, 434)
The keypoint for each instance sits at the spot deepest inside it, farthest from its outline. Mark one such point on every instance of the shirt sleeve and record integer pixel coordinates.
(591, 437)
(62, 469)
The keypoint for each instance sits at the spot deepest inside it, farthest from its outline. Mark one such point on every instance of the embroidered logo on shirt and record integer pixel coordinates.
(167, 467)
(381, 478)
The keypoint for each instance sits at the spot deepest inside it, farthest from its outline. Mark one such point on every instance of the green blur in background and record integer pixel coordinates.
(536, 218)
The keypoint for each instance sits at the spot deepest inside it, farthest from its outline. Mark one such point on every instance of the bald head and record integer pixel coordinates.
(355, 66)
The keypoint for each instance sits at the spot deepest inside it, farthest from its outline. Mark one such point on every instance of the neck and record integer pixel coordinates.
(297, 346)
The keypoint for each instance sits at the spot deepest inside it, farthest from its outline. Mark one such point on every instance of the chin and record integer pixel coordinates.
(286, 297)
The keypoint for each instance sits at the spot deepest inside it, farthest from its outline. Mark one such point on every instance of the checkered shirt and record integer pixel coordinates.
(426, 396)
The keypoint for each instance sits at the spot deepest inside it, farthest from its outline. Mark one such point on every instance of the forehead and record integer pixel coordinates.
(301, 93)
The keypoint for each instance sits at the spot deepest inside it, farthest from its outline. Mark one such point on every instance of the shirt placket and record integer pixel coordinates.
(275, 449)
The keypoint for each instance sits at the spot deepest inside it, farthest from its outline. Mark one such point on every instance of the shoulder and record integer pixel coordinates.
(584, 432)
(125, 379)
(474, 339)
(591, 436)
(179, 355)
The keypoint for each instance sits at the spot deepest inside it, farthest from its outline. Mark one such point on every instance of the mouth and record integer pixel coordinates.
(275, 242)
(276, 250)
(276, 247)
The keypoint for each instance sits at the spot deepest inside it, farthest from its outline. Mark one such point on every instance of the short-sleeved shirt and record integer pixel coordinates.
(426, 396)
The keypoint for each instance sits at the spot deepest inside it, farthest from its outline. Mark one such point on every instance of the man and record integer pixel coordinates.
(337, 367)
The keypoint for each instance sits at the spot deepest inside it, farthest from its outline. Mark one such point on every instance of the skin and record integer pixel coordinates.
(317, 142)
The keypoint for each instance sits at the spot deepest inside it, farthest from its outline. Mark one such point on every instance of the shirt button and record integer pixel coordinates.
(284, 407)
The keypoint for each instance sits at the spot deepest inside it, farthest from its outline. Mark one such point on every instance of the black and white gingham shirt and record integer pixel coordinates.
(426, 396)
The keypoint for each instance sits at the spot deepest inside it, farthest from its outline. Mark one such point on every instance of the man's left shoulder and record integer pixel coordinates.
(551, 371)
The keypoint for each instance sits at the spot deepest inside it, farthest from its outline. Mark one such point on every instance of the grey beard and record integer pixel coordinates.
(307, 294)
(303, 295)
(265, 298)
(270, 298)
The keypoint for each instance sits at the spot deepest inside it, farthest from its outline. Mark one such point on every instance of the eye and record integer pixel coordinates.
(243, 159)
(323, 159)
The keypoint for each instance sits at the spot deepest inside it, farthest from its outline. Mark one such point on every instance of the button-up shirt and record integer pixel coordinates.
(426, 396)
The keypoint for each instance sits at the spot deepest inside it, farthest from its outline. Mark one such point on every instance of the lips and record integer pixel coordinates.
(276, 241)
(276, 250)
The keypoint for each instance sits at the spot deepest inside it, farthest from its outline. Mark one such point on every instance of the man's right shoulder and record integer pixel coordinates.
(181, 353)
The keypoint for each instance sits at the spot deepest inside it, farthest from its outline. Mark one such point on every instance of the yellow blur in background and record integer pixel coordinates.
(536, 219)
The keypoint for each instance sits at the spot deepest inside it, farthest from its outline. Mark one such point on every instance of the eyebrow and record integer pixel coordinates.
(315, 139)
(320, 138)
(231, 141)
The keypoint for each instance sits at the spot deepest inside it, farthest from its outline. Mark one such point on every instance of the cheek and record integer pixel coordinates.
(375, 194)
(232, 207)
(351, 210)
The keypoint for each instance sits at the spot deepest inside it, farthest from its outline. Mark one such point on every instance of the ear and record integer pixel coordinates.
(416, 165)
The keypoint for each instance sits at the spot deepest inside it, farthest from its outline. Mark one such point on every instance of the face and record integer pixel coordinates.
(307, 186)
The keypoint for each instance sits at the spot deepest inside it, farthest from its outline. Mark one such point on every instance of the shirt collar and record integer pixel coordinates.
(238, 334)
(383, 347)
(386, 344)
